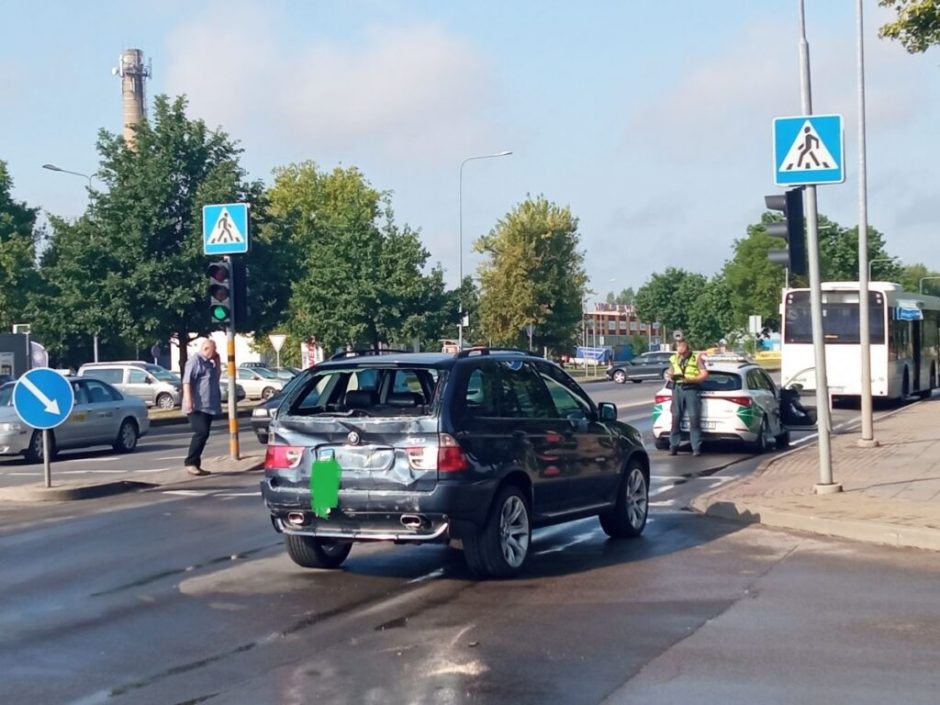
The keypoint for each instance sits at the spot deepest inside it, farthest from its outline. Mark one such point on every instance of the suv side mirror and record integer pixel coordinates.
(607, 411)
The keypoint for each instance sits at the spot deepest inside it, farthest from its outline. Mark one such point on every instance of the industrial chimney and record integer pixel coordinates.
(132, 71)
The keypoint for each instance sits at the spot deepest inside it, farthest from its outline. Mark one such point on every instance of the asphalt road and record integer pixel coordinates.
(171, 598)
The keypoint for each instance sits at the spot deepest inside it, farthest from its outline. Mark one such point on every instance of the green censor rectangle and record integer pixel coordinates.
(324, 486)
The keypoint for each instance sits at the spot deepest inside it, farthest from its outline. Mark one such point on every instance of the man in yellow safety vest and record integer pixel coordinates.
(687, 371)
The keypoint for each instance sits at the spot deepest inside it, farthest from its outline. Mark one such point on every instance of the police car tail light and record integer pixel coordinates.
(282, 457)
(741, 401)
(660, 398)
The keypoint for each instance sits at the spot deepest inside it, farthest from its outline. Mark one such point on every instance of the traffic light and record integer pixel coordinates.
(242, 294)
(220, 292)
(792, 229)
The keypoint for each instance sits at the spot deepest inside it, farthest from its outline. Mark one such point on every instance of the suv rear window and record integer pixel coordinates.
(368, 391)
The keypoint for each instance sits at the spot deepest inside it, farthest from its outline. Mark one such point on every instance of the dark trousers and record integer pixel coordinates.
(688, 402)
(201, 422)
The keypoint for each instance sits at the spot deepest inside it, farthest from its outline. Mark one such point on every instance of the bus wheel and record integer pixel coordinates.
(905, 386)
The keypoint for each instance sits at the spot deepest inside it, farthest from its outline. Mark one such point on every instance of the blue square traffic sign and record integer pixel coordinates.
(809, 150)
(225, 229)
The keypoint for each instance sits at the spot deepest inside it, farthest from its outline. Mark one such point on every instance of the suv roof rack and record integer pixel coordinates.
(358, 353)
(483, 350)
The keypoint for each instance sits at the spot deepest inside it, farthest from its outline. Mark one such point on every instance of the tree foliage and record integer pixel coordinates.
(132, 267)
(357, 277)
(917, 26)
(19, 278)
(533, 274)
(624, 298)
(668, 298)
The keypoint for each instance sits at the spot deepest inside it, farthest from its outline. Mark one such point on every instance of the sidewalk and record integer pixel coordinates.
(891, 493)
(63, 491)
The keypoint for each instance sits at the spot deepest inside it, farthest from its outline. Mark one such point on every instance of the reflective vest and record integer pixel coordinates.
(691, 366)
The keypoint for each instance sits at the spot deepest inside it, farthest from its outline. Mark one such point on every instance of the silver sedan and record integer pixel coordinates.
(101, 416)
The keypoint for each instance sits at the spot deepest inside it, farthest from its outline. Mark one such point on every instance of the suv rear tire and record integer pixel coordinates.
(500, 548)
(165, 401)
(311, 552)
(627, 519)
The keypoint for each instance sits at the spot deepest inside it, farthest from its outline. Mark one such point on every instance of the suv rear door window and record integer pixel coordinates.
(110, 375)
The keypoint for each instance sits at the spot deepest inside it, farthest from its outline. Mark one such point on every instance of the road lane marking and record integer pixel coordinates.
(105, 459)
(172, 457)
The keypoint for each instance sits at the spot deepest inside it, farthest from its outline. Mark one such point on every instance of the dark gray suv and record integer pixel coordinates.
(479, 447)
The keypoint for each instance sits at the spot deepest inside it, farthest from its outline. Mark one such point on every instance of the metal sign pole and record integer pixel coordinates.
(233, 448)
(825, 485)
(46, 461)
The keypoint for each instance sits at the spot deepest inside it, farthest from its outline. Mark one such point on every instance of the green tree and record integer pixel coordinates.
(753, 282)
(710, 317)
(19, 277)
(360, 277)
(142, 235)
(533, 274)
(668, 298)
(838, 253)
(915, 277)
(624, 298)
(917, 26)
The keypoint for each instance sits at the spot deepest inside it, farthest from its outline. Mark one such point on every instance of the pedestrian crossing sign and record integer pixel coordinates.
(225, 229)
(809, 150)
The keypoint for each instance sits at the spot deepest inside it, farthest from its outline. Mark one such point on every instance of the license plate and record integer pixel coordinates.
(704, 425)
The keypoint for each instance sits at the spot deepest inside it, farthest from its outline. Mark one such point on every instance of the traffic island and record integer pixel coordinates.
(70, 491)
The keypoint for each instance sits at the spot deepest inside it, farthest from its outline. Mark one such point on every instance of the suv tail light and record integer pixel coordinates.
(446, 456)
(282, 457)
(660, 398)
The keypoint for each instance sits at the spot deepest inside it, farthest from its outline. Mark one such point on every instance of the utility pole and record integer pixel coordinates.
(233, 448)
(826, 484)
(864, 305)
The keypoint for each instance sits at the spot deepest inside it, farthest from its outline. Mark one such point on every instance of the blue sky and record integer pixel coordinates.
(651, 120)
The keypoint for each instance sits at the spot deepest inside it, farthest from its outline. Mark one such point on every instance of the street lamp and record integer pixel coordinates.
(878, 259)
(922, 280)
(53, 167)
(460, 229)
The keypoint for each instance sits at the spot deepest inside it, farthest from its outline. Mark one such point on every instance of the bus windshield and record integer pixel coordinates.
(840, 318)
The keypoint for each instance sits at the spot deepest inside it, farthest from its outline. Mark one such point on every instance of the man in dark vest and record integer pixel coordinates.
(687, 371)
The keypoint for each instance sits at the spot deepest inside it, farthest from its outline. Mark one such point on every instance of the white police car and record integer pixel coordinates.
(740, 402)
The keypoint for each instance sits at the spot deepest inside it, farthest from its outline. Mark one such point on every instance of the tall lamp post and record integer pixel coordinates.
(460, 230)
(922, 280)
(877, 259)
(53, 167)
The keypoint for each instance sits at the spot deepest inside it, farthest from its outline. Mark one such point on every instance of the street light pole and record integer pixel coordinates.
(921, 285)
(460, 231)
(871, 262)
(53, 167)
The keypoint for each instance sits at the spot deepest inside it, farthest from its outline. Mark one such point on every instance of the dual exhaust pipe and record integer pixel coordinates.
(409, 521)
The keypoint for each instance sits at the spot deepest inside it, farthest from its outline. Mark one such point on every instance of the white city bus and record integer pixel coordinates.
(903, 331)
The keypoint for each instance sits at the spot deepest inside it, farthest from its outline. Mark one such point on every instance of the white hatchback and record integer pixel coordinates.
(740, 402)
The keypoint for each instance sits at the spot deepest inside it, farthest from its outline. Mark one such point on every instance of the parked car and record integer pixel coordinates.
(740, 402)
(262, 414)
(259, 382)
(101, 416)
(481, 446)
(152, 384)
(285, 373)
(648, 365)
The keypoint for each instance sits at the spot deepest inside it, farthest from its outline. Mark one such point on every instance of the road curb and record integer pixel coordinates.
(856, 530)
(68, 493)
(218, 467)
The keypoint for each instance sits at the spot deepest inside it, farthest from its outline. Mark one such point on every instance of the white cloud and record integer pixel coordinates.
(402, 90)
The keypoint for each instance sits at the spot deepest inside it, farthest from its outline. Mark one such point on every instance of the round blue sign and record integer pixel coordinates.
(43, 398)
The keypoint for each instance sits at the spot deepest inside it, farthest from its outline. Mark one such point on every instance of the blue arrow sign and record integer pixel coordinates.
(225, 229)
(809, 150)
(43, 398)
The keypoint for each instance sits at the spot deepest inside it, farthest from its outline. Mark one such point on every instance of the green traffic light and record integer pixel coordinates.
(219, 313)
